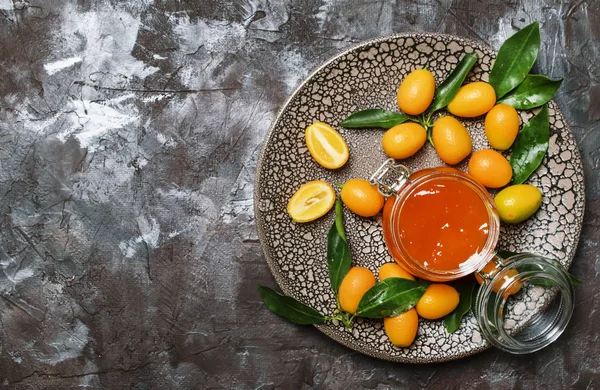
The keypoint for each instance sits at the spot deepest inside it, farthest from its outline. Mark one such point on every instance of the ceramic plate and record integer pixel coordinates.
(367, 75)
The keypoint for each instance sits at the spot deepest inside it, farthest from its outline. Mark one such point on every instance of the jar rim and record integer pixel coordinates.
(483, 257)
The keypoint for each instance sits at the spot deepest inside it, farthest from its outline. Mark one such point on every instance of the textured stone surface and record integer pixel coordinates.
(129, 138)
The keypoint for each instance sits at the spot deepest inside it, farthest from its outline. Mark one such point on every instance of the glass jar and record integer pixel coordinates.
(439, 224)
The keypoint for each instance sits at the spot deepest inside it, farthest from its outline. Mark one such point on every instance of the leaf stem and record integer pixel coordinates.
(347, 321)
(426, 123)
(342, 316)
(429, 137)
(351, 318)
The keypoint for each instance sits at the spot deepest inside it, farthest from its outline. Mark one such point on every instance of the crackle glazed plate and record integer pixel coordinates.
(364, 76)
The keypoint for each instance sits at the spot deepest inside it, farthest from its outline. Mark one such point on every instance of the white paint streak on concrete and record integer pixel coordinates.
(127, 248)
(166, 141)
(122, 98)
(67, 344)
(56, 66)
(90, 380)
(323, 12)
(212, 36)
(93, 119)
(212, 41)
(160, 137)
(155, 97)
(276, 15)
(505, 30)
(204, 211)
(87, 120)
(141, 162)
(149, 233)
(101, 41)
(21, 275)
(234, 208)
(295, 68)
(104, 40)
(11, 274)
(158, 57)
(16, 357)
(175, 233)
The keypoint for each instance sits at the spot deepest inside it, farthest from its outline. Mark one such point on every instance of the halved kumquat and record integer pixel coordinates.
(326, 145)
(313, 200)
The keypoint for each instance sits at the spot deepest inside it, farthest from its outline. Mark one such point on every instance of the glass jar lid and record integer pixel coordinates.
(524, 325)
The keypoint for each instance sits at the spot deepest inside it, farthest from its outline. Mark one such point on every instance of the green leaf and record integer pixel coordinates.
(530, 146)
(448, 89)
(390, 297)
(515, 59)
(339, 259)
(465, 289)
(374, 117)
(290, 308)
(534, 91)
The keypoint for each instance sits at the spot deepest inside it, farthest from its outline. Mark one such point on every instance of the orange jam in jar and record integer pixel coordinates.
(441, 225)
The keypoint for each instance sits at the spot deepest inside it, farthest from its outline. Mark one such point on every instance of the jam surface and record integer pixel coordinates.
(443, 224)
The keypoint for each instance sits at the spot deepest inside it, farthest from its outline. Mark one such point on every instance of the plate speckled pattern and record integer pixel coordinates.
(367, 75)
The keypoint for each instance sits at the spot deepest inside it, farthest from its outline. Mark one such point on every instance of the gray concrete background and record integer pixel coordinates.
(129, 134)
